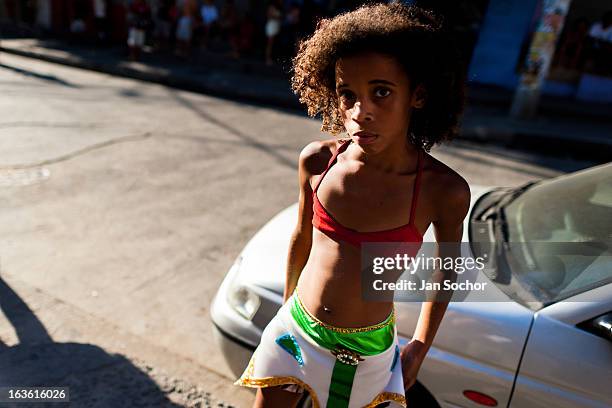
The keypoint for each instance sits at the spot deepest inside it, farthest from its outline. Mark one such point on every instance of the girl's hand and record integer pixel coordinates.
(412, 356)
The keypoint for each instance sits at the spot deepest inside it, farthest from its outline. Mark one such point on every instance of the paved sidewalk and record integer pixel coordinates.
(563, 126)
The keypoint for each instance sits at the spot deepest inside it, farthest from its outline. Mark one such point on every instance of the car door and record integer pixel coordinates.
(477, 348)
(567, 361)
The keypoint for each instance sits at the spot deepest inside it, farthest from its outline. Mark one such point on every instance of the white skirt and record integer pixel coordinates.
(378, 378)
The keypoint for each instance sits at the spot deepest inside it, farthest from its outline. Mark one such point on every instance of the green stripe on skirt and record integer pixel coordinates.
(346, 344)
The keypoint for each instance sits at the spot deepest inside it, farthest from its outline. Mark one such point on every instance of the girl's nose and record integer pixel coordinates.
(360, 112)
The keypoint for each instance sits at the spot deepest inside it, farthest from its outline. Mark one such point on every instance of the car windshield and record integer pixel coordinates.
(560, 234)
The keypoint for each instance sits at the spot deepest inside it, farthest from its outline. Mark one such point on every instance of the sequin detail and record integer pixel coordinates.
(390, 320)
(291, 346)
(387, 396)
(247, 380)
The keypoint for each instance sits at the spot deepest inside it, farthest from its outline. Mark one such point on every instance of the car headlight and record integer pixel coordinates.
(242, 299)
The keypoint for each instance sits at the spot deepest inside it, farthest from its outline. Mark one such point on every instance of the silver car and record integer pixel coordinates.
(546, 341)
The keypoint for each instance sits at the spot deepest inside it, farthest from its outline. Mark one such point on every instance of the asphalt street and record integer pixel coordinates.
(123, 204)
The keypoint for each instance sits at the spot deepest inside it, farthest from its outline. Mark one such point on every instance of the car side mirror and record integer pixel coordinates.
(600, 326)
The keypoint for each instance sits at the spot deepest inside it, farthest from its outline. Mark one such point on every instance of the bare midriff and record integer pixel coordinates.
(330, 285)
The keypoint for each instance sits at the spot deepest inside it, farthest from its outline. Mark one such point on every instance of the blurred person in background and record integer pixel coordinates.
(78, 27)
(185, 26)
(273, 25)
(229, 25)
(43, 14)
(100, 13)
(163, 24)
(290, 31)
(139, 20)
(210, 17)
(29, 11)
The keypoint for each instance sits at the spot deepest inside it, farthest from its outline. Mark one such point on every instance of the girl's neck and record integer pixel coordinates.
(397, 158)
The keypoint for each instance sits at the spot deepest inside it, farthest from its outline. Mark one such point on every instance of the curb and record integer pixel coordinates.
(597, 151)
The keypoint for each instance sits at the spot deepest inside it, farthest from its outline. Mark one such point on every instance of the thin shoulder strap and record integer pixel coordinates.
(339, 150)
(417, 186)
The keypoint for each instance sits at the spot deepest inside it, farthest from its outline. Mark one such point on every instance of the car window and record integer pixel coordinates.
(560, 233)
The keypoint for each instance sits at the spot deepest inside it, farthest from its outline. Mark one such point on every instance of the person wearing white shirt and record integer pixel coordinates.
(99, 8)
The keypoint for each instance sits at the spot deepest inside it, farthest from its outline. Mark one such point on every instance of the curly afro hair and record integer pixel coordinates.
(415, 37)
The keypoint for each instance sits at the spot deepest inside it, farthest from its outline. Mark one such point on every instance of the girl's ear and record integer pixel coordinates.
(419, 97)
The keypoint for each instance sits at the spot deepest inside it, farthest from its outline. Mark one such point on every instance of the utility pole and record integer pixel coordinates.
(538, 58)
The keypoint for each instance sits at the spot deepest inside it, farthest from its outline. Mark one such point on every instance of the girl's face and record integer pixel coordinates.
(374, 96)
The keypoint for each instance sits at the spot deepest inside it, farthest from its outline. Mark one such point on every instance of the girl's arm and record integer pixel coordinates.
(301, 239)
(448, 228)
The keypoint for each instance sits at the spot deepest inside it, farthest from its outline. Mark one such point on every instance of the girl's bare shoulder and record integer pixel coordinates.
(315, 156)
(444, 184)
(442, 176)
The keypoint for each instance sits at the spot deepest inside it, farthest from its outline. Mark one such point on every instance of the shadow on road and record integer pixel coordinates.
(50, 78)
(95, 378)
(245, 140)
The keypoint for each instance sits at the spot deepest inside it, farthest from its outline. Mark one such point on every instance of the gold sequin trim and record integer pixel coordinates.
(389, 321)
(247, 380)
(387, 396)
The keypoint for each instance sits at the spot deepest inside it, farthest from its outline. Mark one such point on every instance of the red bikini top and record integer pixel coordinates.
(324, 222)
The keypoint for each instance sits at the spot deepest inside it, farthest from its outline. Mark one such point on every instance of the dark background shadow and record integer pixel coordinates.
(95, 378)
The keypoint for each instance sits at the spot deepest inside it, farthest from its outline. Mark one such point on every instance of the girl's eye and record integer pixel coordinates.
(385, 90)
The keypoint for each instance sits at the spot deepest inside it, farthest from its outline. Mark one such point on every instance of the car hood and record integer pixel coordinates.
(264, 257)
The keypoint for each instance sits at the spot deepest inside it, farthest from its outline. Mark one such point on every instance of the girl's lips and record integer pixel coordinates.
(365, 138)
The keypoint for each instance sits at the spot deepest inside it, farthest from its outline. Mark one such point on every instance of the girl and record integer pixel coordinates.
(386, 76)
